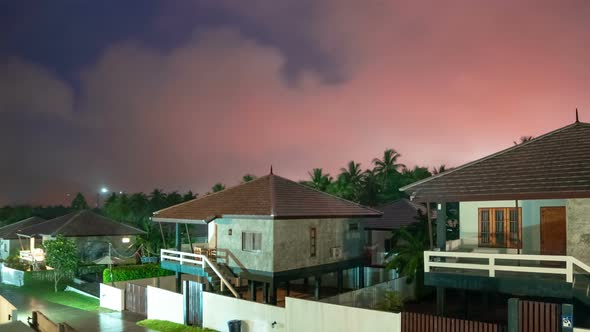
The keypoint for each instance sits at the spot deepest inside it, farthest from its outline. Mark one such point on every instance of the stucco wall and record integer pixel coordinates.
(165, 305)
(292, 242)
(230, 246)
(10, 247)
(578, 229)
(531, 219)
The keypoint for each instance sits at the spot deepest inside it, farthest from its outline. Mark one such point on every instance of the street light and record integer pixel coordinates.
(102, 190)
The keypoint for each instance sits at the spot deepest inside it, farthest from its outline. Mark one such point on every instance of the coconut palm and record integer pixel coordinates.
(387, 165)
(319, 180)
(439, 169)
(248, 178)
(350, 180)
(408, 255)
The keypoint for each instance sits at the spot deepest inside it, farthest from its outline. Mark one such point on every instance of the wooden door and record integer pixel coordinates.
(553, 235)
(136, 298)
(193, 303)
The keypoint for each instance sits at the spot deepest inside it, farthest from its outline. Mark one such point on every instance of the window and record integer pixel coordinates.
(353, 227)
(251, 241)
(312, 242)
(500, 227)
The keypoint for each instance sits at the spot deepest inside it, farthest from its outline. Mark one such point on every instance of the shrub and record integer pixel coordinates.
(14, 262)
(131, 272)
(392, 302)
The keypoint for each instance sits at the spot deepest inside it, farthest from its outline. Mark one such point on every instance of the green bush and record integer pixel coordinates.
(14, 262)
(132, 272)
(392, 302)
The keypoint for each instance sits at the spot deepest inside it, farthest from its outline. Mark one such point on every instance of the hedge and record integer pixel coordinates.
(131, 272)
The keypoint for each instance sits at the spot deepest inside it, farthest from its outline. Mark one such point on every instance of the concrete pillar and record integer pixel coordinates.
(512, 315)
(272, 296)
(177, 244)
(567, 317)
(440, 301)
(361, 272)
(340, 278)
(252, 289)
(265, 292)
(441, 226)
(318, 285)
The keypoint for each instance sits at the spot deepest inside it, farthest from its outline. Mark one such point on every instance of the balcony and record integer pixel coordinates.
(36, 256)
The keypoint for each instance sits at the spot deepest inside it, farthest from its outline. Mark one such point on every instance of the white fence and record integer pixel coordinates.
(502, 262)
(165, 305)
(11, 276)
(112, 297)
(298, 315)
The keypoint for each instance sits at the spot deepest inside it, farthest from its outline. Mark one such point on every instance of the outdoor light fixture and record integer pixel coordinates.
(125, 240)
(104, 190)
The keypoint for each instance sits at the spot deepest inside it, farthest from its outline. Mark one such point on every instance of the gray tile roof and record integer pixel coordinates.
(269, 195)
(395, 215)
(80, 223)
(554, 165)
(10, 231)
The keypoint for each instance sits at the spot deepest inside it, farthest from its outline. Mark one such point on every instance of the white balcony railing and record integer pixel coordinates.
(38, 255)
(492, 263)
(187, 258)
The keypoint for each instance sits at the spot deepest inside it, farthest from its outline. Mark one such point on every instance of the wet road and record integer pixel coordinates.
(79, 319)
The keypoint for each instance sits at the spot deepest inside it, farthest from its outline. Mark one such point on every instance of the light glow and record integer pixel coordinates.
(126, 240)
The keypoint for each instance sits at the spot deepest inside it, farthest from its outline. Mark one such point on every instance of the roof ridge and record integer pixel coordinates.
(69, 221)
(333, 196)
(210, 195)
(501, 152)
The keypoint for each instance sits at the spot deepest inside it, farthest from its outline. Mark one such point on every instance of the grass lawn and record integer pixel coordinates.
(44, 291)
(166, 326)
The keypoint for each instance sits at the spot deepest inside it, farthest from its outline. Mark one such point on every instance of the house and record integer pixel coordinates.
(92, 233)
(269, 232)
(524, 220)
(10, 244)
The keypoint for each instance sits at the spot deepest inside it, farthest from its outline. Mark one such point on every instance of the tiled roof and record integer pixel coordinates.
(395, 215)
(269, 195)
(555, 165)
(81, 223)
(10, 231)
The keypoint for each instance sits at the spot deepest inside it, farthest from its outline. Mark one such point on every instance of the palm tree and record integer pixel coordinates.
(248, 178)
(523, 139)
(439, 169)
(350, 180)
(371, 188)
(408, 255)
(319, 180)
(388, 165)
(218, 187)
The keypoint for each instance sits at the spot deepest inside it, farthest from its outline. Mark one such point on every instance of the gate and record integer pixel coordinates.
(415, 322)
(193, 303)
(538, 316)
(136, 298)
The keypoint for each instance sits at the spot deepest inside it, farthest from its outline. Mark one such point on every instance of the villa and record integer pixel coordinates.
(524, 220)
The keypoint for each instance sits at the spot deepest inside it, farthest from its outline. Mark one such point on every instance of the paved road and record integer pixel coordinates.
(79, 319)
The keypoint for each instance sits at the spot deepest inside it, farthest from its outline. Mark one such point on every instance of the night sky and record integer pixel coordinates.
(179, 95)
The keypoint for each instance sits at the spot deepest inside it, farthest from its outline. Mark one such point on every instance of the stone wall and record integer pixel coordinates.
(578, 229)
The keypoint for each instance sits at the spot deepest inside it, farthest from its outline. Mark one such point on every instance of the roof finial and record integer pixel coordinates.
(577, 119)
(271, 169)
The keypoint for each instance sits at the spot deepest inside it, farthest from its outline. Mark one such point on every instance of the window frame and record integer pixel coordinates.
(507, 223)
(251, 236)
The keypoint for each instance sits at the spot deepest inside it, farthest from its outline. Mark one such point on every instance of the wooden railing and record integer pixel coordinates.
(187, 258)
(510, 263)
(36, 256)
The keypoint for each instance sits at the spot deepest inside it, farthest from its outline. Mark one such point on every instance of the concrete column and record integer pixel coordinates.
(512, 315)
(265, 292)
(340, 278)
(440, 301)
(318, 285)
(441, 226)
(272, 296)
(177, 246)
(567, 317)
(252, 288)
(361, 273)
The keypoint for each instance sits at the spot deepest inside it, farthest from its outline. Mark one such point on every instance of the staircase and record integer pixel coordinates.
(215, 280)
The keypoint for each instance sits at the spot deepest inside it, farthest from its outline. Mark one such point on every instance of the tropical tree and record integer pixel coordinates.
(523, 139)
(61, 255)
(408, 255)
(350, 179)
(370, 188)
(319, 180)
(218, 187)
(248, 178)
(79, 203)
(157, 200)
(440, 169)
(388, 164)
(188, 196)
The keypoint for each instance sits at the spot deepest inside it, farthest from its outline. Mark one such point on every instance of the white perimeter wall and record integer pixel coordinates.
(11, 276)
(303, 315)
(112, 297)
(6, 308)
(165, 305)
(298, 315)
(255, 317)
